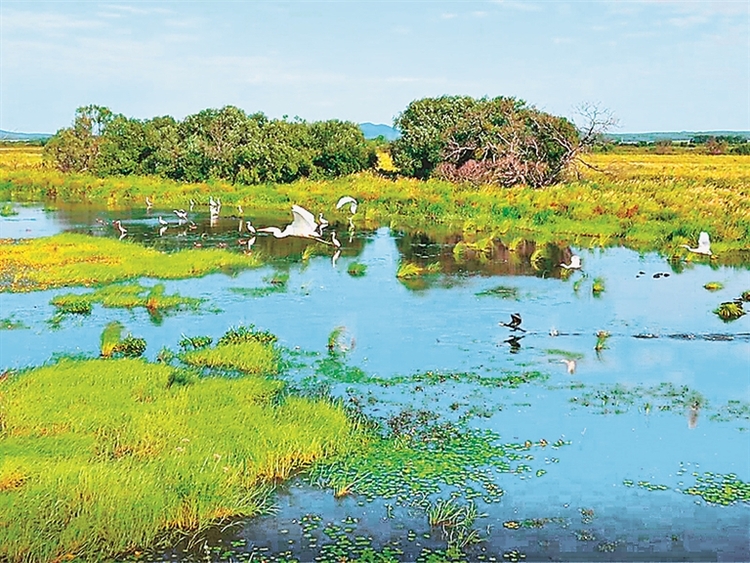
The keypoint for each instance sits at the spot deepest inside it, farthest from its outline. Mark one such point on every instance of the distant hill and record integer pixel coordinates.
(13, 136)
(683, 136)
(373, 131)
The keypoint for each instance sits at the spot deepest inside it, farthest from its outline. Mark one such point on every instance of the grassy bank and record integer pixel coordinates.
(99, 457)
(647, 201)
(72, 259)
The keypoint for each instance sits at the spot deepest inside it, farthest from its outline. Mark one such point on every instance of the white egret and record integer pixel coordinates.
(347, 199)
(181, 215)
(162, 230)
(575, 263)
(192, 204)
(250, 243)
(149, 203)
(335, 257)
(334, 240)
(515, 322)
(322, 223)
(162, 222)
(250, 227)
(571, 364)
(704, 245)
(303, 225)
(123, 230)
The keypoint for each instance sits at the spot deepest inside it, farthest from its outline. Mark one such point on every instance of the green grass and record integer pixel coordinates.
(7, 210)
(72, 259)
(99, 457)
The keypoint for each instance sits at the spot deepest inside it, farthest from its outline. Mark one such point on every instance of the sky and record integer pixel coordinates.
(656, 65)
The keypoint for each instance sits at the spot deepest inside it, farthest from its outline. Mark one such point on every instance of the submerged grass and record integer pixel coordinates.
(127, 296)
(99, 457)
(72, 259)
(649, 202)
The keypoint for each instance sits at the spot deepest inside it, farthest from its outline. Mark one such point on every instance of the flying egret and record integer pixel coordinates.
(303, 225)
(123, 230)
(704, 245)
(515, 322)
(571, 364)
(575, 263)
(347, 199)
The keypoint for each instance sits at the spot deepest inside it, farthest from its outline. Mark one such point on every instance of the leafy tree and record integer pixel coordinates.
(499, 140)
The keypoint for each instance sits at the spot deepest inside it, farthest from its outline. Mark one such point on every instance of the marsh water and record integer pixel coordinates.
(661, 406)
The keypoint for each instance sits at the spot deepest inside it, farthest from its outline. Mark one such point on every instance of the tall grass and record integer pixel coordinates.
(644, 200)
(98, 457)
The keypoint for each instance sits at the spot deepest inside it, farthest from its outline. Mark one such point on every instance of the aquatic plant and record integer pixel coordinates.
(598, 286)
(250, 357)
(11, 323)
(242, 334)
(716, 488)
(73, 259)
(7, 210)
(128, 296)
(356, 269)
(133, 451)
(501, 291)
(195, 342)
(713, 286)
(730, 310)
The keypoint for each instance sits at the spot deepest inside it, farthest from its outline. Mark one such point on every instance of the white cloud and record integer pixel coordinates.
(49, 22)
(520, 6)
(448, 16)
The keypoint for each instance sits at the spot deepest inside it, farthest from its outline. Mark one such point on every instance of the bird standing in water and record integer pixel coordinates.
(123, 230)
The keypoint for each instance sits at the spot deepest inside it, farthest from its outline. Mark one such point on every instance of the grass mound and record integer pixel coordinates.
(99, 457)
(72, 259)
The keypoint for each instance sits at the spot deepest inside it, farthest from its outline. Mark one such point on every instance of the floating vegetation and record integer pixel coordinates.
(194, 342)
(618, 398)
(411, 270)
(598, 286)
(128, 296)
(713, 286)
(133, 451)
(601, 340)
(730, 310)
(71, 259)
(501, 291)
(7, 210)
(356, 269)
(564, 353)
(249, 357)
(339, 341)
(745, 296)
(277, 283)
(11, 323)
(242, 334)
(716, 488)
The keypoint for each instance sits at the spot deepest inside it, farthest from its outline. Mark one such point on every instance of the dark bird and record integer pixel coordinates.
(515, 322)
(515, 342)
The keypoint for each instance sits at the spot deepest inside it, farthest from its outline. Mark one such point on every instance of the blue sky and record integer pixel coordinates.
(657, 65)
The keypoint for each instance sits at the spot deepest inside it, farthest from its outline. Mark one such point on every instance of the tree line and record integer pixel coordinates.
(458, 138)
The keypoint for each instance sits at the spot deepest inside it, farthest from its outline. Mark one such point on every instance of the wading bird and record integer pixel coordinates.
(571, 364)
(704, 245)
(181, 215)
(149, 204)
(303, 225)
(123, 230)
(575, 263)
(322, 224)
(162, 222)
(162, 230)
(515, 322)
(334, 240)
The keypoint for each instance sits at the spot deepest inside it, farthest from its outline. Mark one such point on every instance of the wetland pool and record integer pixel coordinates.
(605, 455)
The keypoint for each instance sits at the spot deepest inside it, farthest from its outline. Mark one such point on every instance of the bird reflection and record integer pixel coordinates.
(515, 343)
(693, 413)
(571, 364)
